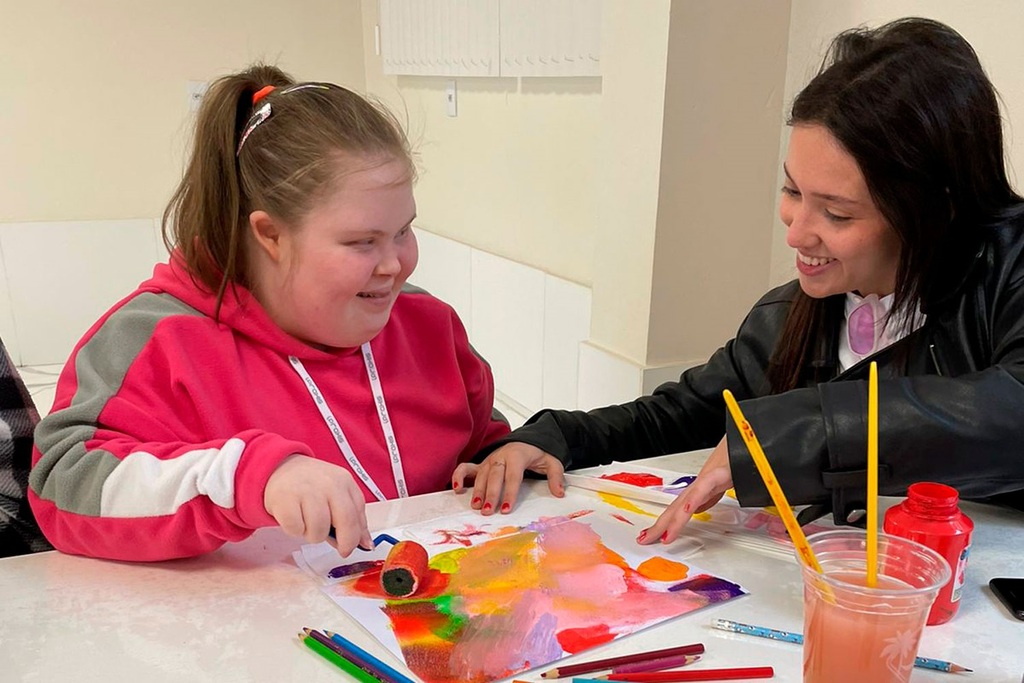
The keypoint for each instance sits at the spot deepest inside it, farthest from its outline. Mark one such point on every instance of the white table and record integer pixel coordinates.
(233, 615)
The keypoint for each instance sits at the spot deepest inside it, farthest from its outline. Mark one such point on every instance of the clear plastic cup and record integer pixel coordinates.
(855, 633)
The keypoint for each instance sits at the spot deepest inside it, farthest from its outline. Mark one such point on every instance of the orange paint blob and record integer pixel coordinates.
(660, 569)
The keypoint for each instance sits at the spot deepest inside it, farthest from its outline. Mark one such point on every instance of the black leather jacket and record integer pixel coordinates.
(951, 401)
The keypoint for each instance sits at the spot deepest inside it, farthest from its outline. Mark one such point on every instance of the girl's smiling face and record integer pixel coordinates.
(332, 280)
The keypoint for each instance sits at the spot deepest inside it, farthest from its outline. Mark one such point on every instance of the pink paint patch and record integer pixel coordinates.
(622, 519)
(587, 588)
(575, 640)
(635, 478)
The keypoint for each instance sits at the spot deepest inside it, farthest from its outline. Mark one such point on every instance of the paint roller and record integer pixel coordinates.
(404, 569)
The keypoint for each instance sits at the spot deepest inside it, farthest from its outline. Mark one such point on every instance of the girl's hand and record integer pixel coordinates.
(308, 496)
(504, 468)
(714, 479)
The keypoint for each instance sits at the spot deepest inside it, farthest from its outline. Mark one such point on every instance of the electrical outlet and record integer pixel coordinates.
(196, 90)
(451, 101)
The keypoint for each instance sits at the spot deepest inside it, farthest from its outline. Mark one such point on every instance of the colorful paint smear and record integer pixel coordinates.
(523, 600)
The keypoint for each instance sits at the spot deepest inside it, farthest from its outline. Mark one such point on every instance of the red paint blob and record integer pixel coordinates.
(575, 640)
(635, 478)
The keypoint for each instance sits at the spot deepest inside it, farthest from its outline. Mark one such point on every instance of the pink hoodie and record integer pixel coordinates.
(167, 425)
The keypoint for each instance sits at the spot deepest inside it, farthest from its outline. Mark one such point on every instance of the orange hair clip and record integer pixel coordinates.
(261, 93)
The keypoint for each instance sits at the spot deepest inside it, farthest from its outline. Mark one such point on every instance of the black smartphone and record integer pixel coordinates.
(1011, 593)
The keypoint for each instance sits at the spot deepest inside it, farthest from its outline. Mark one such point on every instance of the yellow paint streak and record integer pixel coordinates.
(448, 562)
(623, 504)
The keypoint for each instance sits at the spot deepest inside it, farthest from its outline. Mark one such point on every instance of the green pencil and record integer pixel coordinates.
(336, 659)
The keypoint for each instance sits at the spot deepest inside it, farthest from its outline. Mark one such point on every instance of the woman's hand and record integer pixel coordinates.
(714, 479)
(308, 496)
(504, 468)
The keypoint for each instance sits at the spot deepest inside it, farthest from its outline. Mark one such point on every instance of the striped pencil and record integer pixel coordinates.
(612, 662)
(786, 636)
(659, 664)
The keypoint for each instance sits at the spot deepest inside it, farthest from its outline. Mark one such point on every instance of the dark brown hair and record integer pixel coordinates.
(312, 138)
(911, 103)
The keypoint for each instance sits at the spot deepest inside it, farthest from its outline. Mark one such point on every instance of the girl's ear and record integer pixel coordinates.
(267, 234)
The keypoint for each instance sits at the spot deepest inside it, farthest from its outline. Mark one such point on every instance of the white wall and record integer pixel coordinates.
(995, 28)
(93, 93)
(613, 184)
(94, 124)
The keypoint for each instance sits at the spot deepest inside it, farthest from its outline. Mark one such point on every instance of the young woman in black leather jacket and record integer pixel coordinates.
(909, 249)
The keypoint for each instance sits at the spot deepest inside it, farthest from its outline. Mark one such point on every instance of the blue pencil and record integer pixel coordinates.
(786, 636)
(358, 654)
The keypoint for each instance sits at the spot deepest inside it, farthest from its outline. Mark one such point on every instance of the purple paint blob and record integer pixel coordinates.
(354, 569)
(711, 587)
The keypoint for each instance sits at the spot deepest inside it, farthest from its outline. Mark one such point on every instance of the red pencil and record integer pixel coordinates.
(612, 662)
(695, 675)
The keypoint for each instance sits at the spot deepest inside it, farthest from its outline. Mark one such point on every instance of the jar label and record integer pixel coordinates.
(958, 576)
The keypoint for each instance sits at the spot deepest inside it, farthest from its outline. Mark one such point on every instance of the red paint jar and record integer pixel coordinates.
(930, 515)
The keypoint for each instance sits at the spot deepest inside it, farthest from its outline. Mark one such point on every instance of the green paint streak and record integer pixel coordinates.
(456, 620)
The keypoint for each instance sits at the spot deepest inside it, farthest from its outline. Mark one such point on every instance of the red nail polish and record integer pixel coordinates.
(487, 506)
(505, 507)
(476, 500)
(643, 536)
(664, 536)
(455, 485)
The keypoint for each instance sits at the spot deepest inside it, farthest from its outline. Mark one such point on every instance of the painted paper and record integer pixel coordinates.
(760, 528)
(507, 593)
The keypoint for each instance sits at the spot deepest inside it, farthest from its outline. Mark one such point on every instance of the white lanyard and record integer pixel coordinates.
(339, 435)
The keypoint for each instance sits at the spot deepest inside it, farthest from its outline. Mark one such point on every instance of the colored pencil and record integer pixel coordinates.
(872, 554)
(759, 631)
(786, 636)
(612, 662)
(336, 659)
(730, 674)
(326, 641)
(796, 534)
(386, 673)
(659, 664)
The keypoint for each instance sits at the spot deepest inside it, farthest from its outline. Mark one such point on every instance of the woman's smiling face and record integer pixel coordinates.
(843, 242)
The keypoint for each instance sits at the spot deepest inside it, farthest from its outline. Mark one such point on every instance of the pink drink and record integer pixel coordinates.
(855, 633)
